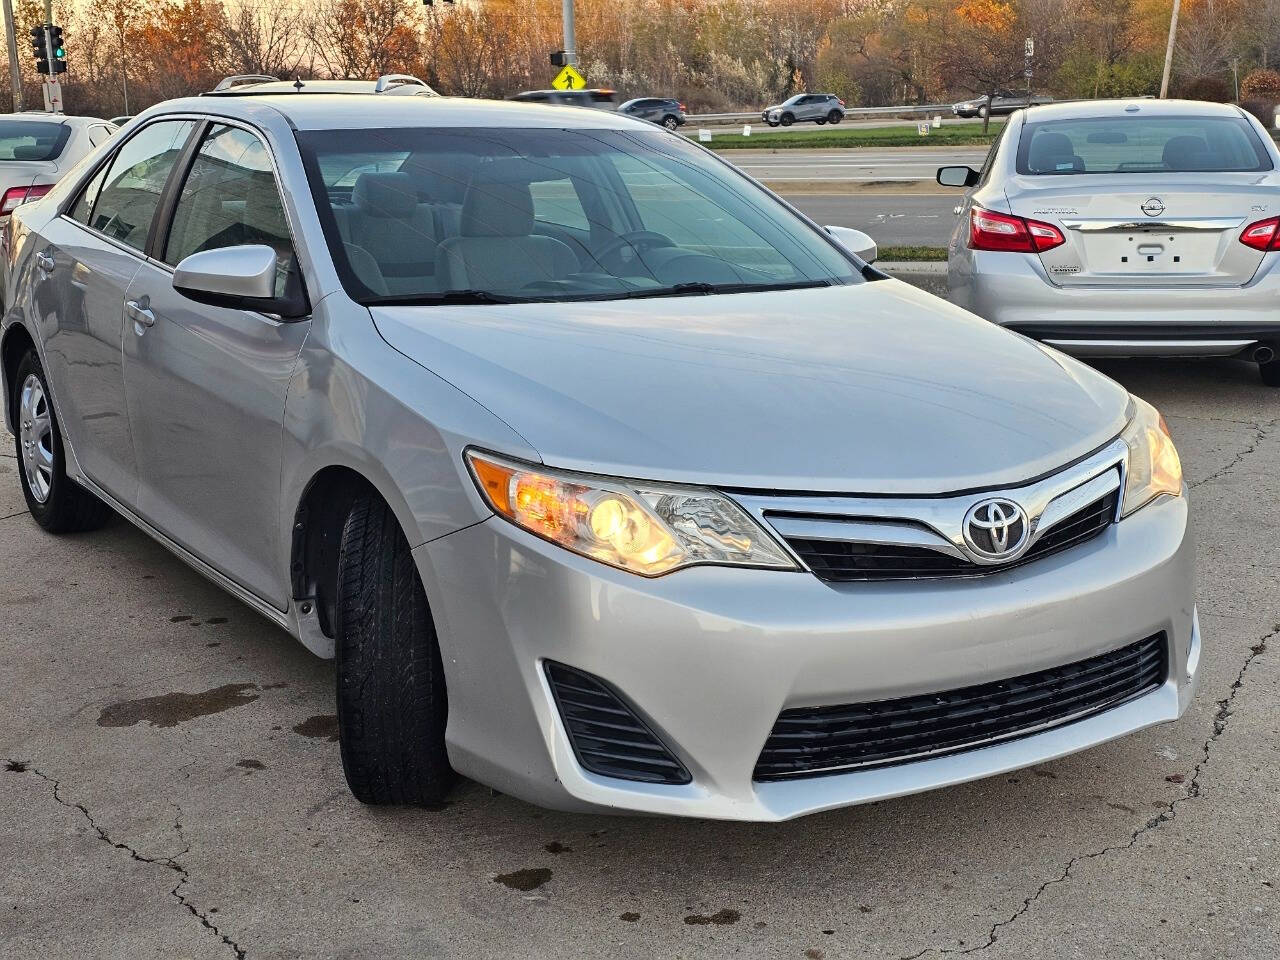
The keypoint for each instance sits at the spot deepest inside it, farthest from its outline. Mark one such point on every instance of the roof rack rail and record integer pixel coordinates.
(389, 80)
(242, 79)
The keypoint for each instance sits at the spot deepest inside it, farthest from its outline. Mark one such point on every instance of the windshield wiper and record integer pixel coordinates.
(448, 297)
(701, 288)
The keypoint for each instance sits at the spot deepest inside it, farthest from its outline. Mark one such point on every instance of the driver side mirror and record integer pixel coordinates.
(958, 176)
(856, 242)
(243, 278)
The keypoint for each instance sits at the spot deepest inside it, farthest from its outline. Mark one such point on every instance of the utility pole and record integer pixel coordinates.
(1168, 53)
(570, 50)
(15, 74)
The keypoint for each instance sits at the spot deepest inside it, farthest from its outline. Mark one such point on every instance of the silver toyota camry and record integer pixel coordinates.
(1126, 228)
(609, 479)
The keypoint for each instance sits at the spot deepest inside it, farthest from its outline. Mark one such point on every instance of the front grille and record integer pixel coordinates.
(841, 561)
(607, 736)
(810, 741)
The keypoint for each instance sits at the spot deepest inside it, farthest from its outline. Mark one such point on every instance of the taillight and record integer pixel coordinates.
(839, 101)
(989, 230)
(1263, 235)
(683, 108)
(15, 197)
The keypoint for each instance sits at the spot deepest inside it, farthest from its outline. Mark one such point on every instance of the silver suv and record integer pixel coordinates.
(609, 479)
(818, 108)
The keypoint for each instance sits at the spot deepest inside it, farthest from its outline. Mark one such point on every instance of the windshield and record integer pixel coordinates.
(1132, 144)
(32, 139)
(506, 215)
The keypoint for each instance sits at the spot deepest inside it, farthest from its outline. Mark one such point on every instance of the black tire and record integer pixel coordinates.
(835, 116)
(820, 121)
(67, 507)
(392, 703)
(670, 122)
(982, 113)
(787, 120)
(1270, 372)
(772, 123)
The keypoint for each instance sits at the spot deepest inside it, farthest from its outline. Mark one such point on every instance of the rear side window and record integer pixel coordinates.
(32, 139)
(1133, 144)
(230, 198)
(128, 199)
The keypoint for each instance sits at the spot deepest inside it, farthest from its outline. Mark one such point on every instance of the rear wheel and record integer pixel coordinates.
(670, 122)
(1270, 372)
(57, 502)
(392, 703)
(788, 119)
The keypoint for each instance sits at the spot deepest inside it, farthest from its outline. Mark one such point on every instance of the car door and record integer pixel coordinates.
(90, 256)
(206, 385)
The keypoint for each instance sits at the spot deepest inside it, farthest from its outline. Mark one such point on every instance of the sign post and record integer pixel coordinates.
(1029, 51)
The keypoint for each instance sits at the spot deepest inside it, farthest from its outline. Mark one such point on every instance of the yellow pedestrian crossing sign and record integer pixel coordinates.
(569, 79)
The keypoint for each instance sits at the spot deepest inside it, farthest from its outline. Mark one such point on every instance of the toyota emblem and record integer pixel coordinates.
(996, 530)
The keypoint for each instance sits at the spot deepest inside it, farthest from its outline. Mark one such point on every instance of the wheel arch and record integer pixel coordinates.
(17, 340)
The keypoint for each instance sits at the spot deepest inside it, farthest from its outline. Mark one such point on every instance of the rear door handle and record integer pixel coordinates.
(137, 311)
(45, 262)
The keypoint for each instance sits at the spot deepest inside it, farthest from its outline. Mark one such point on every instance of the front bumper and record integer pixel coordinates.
(710, 656)
(1013, 290)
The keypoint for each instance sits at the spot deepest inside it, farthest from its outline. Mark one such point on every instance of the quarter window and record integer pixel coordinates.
(230, 198)
(83, 207)
(137, 175)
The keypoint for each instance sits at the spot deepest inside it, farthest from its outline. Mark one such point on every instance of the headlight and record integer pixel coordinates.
(646, 528)
(1153, 467)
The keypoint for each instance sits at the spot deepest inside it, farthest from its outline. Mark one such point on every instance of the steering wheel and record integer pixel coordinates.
(627, 247)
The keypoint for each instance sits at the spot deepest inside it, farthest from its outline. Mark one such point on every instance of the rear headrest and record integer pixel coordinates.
(497, 208)
(385, 195)
(1185, 153)
(1053, 151)
(30, 152)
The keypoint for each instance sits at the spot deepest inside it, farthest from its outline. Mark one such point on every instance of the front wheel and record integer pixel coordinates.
(982, 113)
(772, 123)
(58, 503)
(392, 702)
(1270, 372)
(835, 116)
(820, 121)
(788, 119)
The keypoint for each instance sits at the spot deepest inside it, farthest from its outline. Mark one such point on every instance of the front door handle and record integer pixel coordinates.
(45, 263)
(136, 310)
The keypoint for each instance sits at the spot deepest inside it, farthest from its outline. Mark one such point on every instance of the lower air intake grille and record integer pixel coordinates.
(817, 740)
(607, 736)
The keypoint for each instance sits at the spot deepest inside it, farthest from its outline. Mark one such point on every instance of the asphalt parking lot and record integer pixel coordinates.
(171, 788)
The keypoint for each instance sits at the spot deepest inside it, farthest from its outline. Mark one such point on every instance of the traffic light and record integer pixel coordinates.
(40, 48)
(59, 50)
(559, 59)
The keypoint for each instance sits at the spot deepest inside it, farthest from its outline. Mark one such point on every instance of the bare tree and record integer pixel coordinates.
(267, 40)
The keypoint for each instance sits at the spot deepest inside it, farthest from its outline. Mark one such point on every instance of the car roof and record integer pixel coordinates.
(46, 117)
(321, 111)
(1136, 107)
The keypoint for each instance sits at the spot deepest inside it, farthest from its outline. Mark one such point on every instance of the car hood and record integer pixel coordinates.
(872, 388)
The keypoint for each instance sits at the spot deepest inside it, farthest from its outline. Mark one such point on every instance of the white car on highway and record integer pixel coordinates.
(37, 148)
(1126, 228)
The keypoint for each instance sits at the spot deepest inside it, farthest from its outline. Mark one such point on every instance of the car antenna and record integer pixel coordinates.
(297, 84)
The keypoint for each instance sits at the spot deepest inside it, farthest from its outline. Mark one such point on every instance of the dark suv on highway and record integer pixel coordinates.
(664, 110)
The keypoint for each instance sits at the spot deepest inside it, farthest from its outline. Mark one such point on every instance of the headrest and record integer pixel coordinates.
(29, 151)
(385, 195)
(1185, 153)
(497, 208)
(1052, 151)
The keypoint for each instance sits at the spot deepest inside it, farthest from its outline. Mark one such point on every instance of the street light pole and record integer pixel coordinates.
(566, 10)
(11, 38)
(1168, 52)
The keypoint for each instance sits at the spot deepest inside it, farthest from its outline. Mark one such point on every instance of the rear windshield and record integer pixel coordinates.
(32, 139)
(506, 215)
(1131, 144)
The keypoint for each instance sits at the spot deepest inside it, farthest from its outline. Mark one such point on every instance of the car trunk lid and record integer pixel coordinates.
(1123, 231)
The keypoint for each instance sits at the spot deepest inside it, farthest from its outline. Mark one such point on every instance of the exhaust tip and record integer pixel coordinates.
(1263, 354)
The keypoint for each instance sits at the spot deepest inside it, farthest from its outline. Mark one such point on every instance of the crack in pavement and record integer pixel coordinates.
(171, 863)
(1262, 430)
(1220, 720)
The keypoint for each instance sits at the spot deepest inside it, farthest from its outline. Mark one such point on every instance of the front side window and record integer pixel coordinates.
(478, 215)
(230, 198)
(32, 139)
(137, 175)
(1137, 144)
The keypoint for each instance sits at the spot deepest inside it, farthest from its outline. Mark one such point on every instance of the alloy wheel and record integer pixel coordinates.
(36, 436)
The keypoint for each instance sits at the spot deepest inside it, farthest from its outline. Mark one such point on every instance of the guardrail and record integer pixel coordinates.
(848, 112)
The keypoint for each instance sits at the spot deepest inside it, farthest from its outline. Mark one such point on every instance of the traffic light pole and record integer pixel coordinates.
(570, 49)
(11, 38)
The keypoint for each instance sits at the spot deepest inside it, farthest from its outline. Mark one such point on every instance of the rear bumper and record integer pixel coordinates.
(710, 656)
(1014, 291)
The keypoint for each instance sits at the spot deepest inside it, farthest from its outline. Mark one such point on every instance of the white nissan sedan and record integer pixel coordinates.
(1126, 228)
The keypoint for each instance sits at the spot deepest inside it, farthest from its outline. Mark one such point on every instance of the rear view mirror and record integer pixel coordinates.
(1108, 136)
(856, 242)
(242, 278)
(957, 176)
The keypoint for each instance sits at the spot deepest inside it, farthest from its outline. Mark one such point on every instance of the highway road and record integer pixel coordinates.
(890, 219)
(908, 165)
